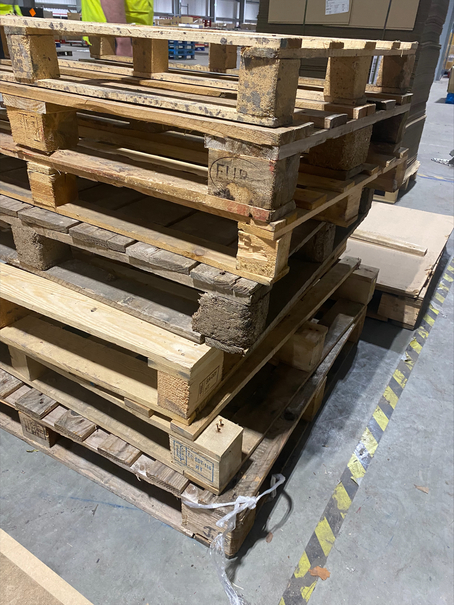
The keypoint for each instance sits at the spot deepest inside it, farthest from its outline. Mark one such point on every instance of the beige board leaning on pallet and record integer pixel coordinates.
(254, 133)
(406, 246)
(268, 412)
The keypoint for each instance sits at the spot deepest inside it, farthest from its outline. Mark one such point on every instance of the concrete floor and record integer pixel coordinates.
(396, 544)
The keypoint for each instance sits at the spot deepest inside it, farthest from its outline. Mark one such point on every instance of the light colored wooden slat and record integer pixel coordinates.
(109, 368)
(168, 352)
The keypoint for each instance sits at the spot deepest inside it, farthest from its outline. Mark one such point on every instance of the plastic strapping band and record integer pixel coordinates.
(228, 524)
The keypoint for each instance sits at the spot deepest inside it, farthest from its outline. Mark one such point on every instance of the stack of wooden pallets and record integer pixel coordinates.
(171, 292)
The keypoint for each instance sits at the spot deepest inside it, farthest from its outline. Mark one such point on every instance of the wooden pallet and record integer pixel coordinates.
(247, 249)
(269, 64)
(288, 399)
(199, 302)
(241, 171)
(37, 344)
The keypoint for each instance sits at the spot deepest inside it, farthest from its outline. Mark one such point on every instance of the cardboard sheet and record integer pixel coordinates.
(401, 272)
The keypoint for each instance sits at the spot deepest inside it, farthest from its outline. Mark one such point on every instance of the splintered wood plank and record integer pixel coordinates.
(118, 450)
(169, 352)
(36, 404)
(74, 426)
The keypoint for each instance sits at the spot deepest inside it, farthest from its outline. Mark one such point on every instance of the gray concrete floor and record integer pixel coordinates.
(396, 544)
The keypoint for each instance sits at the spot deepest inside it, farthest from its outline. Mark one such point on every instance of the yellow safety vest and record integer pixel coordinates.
(137, 11)
(10, 9)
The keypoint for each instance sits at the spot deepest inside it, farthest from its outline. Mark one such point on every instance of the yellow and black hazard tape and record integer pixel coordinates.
(302, 583)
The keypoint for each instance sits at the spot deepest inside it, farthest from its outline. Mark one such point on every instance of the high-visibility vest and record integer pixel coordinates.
(137, 11)
(10, 9)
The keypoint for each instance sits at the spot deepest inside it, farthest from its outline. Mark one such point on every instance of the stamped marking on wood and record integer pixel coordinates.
(209, 382)
(198, 464)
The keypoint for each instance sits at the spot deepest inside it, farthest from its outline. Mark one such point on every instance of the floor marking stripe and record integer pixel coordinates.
(369, 442)
(439, 297)
(302, 584)
(356, 468)
(416, 346)
(325, 536)
(390, 396)
(303, 566)
(343, 500)
(400, 378)
(380, 418)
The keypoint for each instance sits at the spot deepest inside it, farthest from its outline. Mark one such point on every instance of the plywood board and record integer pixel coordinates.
(25, 579)
(401, 272)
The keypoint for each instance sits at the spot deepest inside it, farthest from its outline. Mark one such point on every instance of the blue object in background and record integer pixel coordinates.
(450, 98)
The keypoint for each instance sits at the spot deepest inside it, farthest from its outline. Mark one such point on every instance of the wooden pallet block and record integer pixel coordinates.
(391, 197)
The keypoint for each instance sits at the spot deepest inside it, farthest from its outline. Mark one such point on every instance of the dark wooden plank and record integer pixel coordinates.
(36, 404)
(8, 384)
(153, 305)
(46, 219)
(118, 450)
(74, 426)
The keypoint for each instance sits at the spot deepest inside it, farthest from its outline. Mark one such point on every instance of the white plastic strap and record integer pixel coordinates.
(228, 524)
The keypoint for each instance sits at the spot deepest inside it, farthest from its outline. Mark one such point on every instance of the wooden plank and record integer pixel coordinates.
(304, 349)
(74, 426)
(8, 384)
(168, 352)
(154, 306)
(15, 395)
(35, 404)
(118, 450)
(109, 368)
(387, 242)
